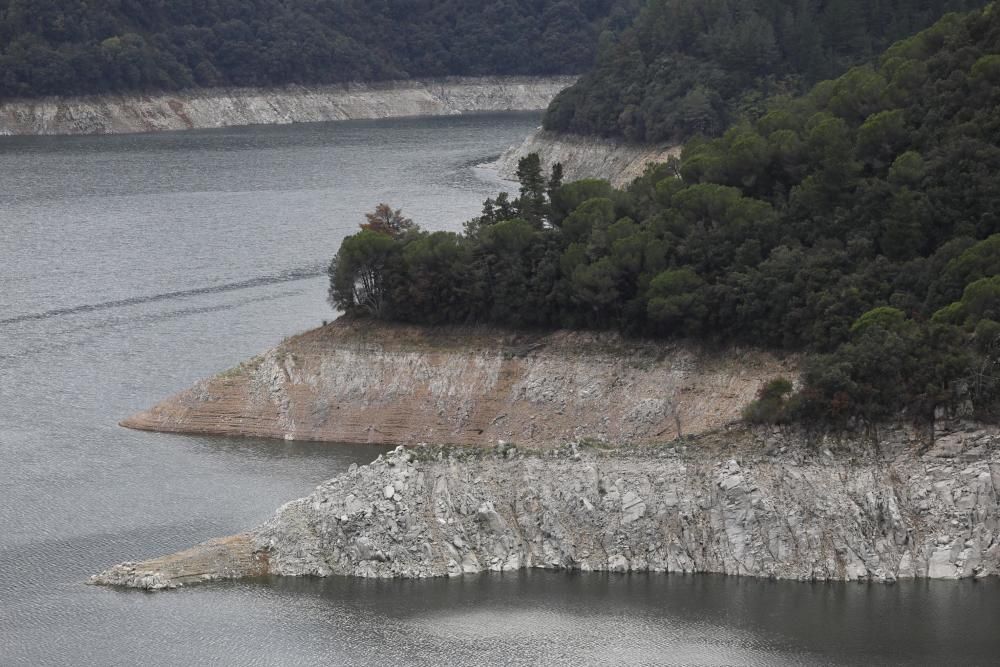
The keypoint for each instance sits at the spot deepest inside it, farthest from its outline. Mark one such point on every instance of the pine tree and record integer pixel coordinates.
(531, 205)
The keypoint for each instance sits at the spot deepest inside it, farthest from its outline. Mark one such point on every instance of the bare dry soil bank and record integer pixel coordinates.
(356, 382)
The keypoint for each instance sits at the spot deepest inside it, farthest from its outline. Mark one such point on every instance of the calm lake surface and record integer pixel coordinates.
(132, 266)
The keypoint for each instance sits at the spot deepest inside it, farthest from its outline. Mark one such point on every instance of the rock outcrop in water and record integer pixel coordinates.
(587, 157)
(720, 499)
(769, 505)
(361, 382)
(224, 107)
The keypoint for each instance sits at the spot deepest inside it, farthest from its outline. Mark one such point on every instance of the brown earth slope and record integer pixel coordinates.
(359, 382)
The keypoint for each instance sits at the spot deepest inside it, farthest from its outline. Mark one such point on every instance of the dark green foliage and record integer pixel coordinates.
(62, 47)
(675, 302)
(568, 197)
(909, 368)
(978, 260)
(772, 405)
(856, 223)
(690, 67)
(532, 203)
(980, 301)
(359, 274)
(885, 317)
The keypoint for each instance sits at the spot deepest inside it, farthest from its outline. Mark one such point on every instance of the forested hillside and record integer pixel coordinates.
(693, 66)
(859, 223)
(63, 47)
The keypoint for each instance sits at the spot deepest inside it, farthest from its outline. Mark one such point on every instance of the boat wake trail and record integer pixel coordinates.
(262, 281)
(67, 338)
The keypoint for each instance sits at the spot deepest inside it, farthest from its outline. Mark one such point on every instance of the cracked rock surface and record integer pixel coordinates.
(758, 505)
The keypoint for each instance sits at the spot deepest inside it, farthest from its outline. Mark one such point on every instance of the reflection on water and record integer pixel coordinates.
(554, 618)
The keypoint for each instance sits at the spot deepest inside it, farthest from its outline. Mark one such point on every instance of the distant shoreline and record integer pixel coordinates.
(231, 107)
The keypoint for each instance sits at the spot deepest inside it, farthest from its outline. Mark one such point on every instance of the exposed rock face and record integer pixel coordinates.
(736, 504)
(587, 157)
(774, 504)
(233, 557)
(222, 107)
(359, 382)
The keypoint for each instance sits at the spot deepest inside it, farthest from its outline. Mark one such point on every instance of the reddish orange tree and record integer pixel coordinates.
(384, 220)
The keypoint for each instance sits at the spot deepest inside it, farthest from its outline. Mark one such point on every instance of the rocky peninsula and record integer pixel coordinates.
(576, 451)
(768, 504)
(225, 107)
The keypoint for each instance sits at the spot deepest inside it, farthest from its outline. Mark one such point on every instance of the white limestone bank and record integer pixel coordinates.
(224, 107)
(587, 157)
(766, 505)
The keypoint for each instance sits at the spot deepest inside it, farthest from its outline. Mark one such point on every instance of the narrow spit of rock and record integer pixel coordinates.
(804, 514)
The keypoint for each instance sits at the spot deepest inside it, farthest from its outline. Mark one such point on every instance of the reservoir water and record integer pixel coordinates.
(132, 266)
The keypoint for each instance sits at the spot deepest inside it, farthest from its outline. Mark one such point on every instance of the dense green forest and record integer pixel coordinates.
(63, 47)
(690, 67)
(859, 223)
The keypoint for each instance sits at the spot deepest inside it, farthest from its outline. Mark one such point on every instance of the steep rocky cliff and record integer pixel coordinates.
(222, 107)
(586, 157)
(772, 505)
(360, 382)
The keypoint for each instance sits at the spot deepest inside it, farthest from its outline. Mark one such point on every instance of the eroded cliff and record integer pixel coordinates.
(658, 474)
(223, 107)
(587, 157)
(773, 505)
(360, 382)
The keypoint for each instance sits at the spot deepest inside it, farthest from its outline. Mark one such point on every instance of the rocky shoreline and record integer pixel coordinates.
(225, 107)
(774, 504)
(587, 157)
(718, 497)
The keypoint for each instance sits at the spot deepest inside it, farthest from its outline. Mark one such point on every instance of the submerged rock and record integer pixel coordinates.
(233, 557)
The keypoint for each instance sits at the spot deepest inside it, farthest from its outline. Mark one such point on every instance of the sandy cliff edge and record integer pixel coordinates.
(362, 382)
